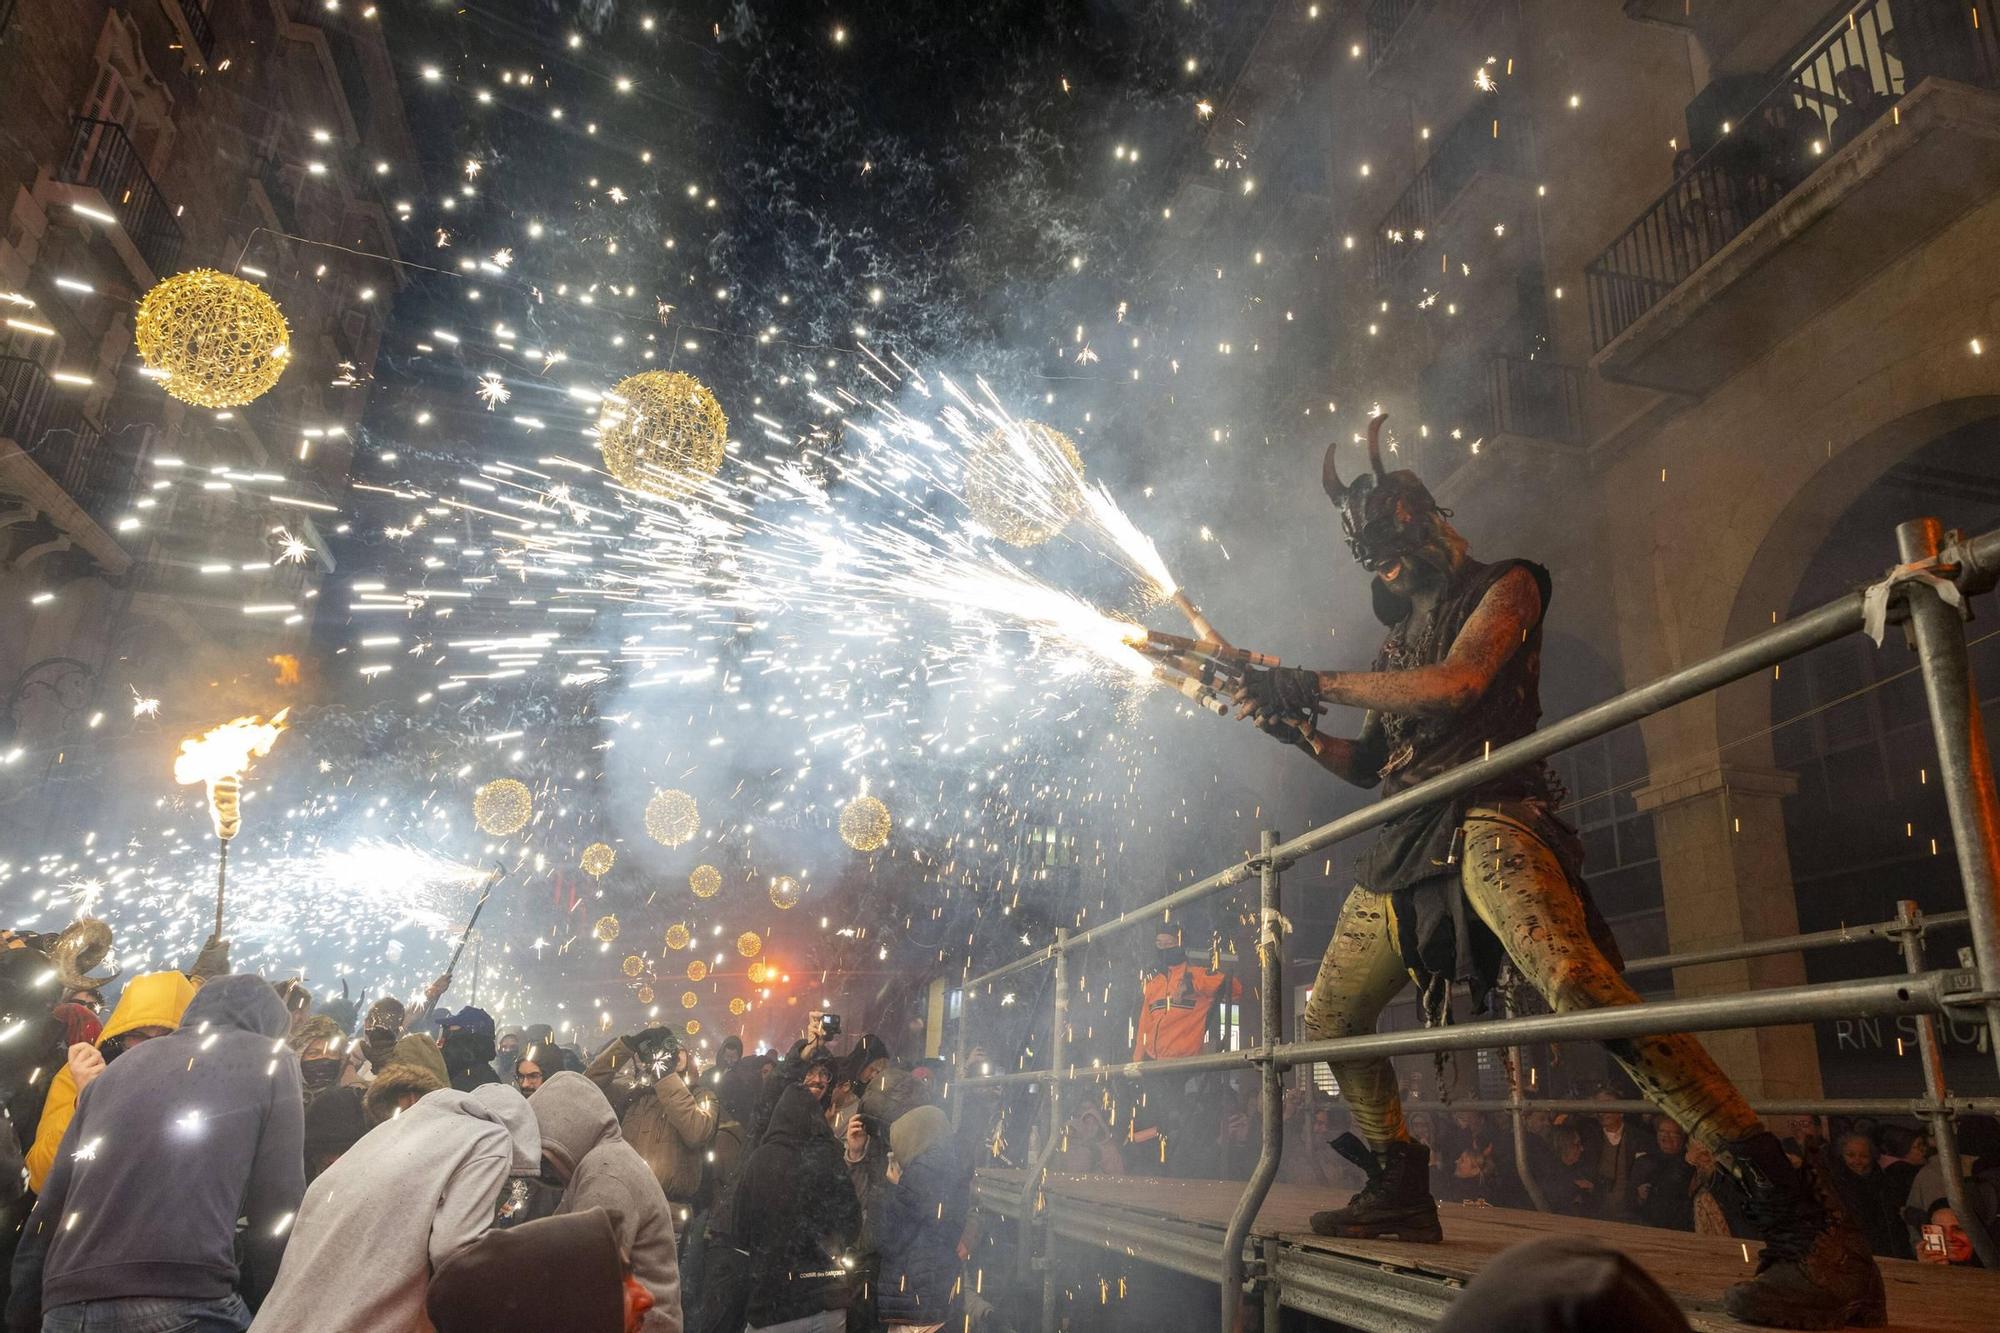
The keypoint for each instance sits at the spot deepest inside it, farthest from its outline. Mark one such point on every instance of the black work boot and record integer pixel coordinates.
(1395, 1203)
(1815, 1270)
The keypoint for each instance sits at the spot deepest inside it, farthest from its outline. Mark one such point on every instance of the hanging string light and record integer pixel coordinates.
(216, 340)
(662, 432)
(672, 817)
(502, 807)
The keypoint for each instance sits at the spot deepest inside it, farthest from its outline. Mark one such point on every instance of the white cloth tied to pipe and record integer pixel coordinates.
(1875, 600)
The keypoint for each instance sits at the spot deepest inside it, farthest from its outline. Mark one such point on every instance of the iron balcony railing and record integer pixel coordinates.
(1965, 772)
(194, 13)
(1537, 398)
(1386, 19)
(102, 158)
(1818, 102)
(1487, 138)
(48, 425)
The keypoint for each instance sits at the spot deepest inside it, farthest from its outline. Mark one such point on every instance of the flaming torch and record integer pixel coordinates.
(219, 758)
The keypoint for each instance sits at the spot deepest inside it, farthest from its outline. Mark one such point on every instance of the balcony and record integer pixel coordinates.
(191, 17)
(1406, 37)
(1535, 399)
(1867, 146)
(101, 158)
(1489, 141)
(57, 460)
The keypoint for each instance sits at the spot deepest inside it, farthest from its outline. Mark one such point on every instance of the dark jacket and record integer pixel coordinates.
(501, 1283)
(202, 1126)
(923, 1216)
(795, 1213)
(1669, 1188)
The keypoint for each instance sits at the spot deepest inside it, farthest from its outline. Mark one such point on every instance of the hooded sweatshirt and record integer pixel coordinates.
(795, 1212)
(412, 1193)
(167, 1148)
(581, 1139)
(152, 1000)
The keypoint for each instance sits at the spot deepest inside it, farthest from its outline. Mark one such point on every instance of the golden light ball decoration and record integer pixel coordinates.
(633, 965)
(677, 936)
(739, 1006)
(748, 944)
(216, 340)
(598, 858)
(758, 973)
(692, 1027)
(865, 824)
(672, 817)
(1024, 501)
(606, 928)
(697, 970)
(644, 994)
(662, 432)
(705, 881)
(689, 999)
(785, 893)
(502, 807)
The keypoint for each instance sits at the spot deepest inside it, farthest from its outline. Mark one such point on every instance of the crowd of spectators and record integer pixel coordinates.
(220, 1154)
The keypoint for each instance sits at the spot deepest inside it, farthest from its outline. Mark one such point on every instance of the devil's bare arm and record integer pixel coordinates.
(1358, 761)
(1494, 633)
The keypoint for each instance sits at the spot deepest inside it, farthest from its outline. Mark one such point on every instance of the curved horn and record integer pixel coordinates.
(1375, 443)
(81, 946)
(1329, 476)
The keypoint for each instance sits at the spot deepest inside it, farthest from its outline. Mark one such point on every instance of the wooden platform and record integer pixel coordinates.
(1391, 1286)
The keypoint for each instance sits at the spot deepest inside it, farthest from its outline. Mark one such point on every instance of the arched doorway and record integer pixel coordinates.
(1867, 825)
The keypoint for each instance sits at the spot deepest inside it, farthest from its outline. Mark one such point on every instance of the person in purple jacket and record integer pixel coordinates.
(169, 1146)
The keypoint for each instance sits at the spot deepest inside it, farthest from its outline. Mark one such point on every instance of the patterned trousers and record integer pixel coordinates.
(1518, 888)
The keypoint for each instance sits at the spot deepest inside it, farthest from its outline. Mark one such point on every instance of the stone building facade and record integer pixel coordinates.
(149, 549)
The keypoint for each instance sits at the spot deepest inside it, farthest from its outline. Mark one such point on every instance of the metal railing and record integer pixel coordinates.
(1537, 398)
(194, 13)
(1965, 771)
(102, 158)
(1386, 20)
(1487, 138)
(1818, 102)
(49, 426)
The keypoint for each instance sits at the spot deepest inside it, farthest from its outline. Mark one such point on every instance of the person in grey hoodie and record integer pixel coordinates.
(168, 1147)
(378, 1222)
(582, 1144)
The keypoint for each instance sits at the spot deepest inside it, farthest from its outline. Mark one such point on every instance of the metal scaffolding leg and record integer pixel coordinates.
(1965, 765)
(1944, 1134)
(1270, 1089)
(1058, 1047)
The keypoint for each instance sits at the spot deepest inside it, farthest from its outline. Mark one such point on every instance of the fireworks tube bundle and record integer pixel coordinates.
(485, 891)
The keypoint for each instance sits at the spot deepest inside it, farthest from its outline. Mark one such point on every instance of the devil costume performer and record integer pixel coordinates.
(1451, 891)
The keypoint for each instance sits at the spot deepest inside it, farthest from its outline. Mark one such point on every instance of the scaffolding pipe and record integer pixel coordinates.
(1875, 1108)
(1518, 1117)
(1270, 1089)
(1943, 1134)
(1058, 1047)
(1965, 766)
(1928, 992)
(1818, 939)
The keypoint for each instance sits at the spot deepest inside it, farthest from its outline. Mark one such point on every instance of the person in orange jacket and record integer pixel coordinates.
(1176, 1001)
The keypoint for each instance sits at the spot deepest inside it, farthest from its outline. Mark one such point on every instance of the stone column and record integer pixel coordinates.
(1727, 877)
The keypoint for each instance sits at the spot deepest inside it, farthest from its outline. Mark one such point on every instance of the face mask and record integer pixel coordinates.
(320, 1073)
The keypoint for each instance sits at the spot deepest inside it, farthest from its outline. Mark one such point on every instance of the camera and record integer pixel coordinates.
(829, 1025)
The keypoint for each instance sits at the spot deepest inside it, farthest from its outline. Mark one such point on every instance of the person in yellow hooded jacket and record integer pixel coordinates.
(150, 1006)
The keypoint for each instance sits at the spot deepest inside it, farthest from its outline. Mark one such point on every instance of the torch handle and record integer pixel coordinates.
(221, 882)
(485, 892)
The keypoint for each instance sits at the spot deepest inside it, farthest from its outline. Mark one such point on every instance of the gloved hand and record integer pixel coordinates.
(212, 961)
(1282, 701)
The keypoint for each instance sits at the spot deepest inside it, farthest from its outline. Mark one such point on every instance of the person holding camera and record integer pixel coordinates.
(648, 1078)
